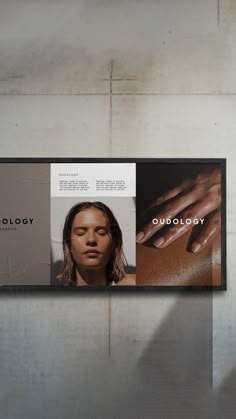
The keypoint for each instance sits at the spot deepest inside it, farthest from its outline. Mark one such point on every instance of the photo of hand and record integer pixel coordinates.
(196, 198)
(179, 223)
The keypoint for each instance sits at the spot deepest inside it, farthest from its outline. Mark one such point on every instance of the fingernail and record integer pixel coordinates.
(205, 241)
(139, 237)
(195, 247)
(159, 242)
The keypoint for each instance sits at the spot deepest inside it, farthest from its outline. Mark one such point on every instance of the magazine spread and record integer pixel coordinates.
(121, 224)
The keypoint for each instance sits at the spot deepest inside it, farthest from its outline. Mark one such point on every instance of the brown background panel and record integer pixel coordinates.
(174, 265)
(25, 252)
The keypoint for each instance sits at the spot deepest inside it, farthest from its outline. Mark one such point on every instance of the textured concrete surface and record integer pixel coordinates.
(129, 78)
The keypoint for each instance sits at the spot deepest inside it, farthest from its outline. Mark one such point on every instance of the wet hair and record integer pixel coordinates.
(116, 264)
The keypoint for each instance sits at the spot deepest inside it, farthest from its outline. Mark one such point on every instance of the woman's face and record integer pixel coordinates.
(91, 242)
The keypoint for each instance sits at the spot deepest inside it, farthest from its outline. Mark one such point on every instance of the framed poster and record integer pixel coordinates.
(112, 223)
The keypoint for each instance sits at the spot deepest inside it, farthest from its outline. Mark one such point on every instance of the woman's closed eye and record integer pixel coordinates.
(102, 231)
(80, 232)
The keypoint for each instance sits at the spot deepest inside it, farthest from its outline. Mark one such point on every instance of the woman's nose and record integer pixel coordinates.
(91, 237)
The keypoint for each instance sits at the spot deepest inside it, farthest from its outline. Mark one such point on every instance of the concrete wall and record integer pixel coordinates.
(153, 78)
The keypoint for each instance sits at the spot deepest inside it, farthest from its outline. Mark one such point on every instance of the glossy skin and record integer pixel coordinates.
(198, 197)
(90, 231)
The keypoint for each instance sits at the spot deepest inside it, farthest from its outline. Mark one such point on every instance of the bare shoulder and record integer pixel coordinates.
(129, 279)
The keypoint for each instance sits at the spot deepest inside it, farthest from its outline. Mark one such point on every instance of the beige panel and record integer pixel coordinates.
(25, 248)
(59, 126)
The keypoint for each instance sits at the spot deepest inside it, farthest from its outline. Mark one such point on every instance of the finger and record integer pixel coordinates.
(168, 212)
(171, 193)
(188, 219)
(170, 235)
(207, 234)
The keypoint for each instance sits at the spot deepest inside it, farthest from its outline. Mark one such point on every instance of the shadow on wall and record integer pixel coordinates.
(173, 377)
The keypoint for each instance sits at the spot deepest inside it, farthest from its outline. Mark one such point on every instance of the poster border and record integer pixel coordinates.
(135, 288)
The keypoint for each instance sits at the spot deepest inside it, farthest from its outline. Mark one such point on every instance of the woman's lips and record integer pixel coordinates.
(93, 253)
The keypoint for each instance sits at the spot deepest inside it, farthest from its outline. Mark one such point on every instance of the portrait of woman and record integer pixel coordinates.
(92, 246)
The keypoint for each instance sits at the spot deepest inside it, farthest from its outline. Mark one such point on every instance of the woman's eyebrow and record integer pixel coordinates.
(85, 228)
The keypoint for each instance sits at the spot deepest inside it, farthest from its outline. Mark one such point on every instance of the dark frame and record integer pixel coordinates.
(222, 287)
